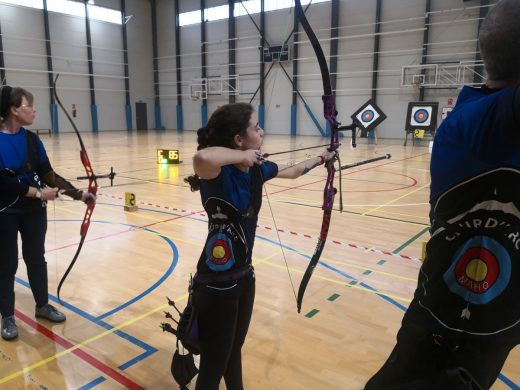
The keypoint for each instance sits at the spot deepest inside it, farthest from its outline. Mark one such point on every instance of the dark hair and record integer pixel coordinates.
(499, 41)
(12, 97)
(226, 122)
(222, 127)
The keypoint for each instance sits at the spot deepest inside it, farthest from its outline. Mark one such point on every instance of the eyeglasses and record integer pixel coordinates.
(27, 106)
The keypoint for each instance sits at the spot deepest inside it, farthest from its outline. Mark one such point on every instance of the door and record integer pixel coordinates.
(140, 116)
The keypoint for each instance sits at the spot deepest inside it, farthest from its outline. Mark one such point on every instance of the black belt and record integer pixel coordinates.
(223, 277)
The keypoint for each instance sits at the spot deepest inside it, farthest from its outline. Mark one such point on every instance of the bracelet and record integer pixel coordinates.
(322, 159)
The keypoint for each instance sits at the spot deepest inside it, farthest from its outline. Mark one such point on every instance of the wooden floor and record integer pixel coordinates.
(114, 298)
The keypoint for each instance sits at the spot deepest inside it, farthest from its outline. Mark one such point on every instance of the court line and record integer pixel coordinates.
(386, 297)
(349, 173)
(403, 186)
(149, 350)
(396, 199)
(408, 242)
(269, 228)
(69, 348)
(366, 288)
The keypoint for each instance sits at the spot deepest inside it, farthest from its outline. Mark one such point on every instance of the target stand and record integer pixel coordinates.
(421, 118)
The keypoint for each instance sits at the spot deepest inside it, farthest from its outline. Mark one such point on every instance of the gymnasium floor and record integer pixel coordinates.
(115, 296)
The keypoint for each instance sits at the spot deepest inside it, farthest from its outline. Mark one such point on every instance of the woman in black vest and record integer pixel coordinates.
(27, 182)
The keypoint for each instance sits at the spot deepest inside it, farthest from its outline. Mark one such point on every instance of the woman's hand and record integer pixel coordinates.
(87, 197)
(49, 193)
(327, 156)
(252, 157)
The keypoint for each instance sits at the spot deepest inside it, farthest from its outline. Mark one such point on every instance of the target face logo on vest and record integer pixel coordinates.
(480, 270)
(219, 254)
(421, 116)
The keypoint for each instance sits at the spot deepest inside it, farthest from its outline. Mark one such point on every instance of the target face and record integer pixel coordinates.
(368, 116)
(421, 116)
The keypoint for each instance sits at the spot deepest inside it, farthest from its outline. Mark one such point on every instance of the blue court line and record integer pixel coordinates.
(508, 382)
(148, 349)
(502, 377)
(152, 287)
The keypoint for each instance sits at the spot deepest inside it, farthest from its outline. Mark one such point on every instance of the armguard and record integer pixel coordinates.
(52, 179)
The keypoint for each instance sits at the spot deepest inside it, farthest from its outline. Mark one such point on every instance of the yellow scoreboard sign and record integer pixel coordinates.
(168, 156)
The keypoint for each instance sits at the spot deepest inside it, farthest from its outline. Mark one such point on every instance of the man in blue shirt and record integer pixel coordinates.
(465, 316)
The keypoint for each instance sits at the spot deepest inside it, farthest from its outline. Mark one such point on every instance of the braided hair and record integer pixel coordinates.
(222, 127)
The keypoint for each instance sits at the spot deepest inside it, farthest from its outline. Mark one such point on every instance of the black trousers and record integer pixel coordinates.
(223, 324)
(32, 227)
(423, 361)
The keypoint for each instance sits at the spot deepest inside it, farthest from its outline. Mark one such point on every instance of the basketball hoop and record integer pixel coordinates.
(416, 83)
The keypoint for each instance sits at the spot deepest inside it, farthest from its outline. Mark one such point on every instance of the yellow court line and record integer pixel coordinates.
(404, 214)
(396, 276)
(407, 300)
(180, 298)
(86, 342)
(396, 199)
(375, 271)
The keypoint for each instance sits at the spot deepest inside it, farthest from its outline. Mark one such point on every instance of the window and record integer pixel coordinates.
(252, 6)
(72, 8)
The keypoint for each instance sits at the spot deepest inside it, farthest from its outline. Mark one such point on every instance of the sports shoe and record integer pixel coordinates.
(51, 313)
(9, 328)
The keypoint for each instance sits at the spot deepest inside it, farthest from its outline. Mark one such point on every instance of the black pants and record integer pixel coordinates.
(223, 325)
(32, 227)
(422, 361)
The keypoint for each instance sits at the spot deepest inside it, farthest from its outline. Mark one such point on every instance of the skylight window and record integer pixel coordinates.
(74, 8)
(253, 7)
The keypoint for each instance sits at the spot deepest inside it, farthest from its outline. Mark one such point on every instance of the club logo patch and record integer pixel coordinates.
(480, 270)
(219, 253)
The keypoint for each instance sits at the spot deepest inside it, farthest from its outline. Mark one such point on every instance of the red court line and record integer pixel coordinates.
(350, 173)
(132, 229)
(404, 186)
(109, 371)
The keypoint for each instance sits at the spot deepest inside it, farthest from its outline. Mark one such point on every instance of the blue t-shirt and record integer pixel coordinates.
(235, 188)
(481, 133)
(469, 284)
(15, 181)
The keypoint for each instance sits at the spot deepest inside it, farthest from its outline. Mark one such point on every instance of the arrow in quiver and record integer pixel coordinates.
(183, 367)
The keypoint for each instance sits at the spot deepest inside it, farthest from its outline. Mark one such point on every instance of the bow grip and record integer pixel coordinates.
(328, 199)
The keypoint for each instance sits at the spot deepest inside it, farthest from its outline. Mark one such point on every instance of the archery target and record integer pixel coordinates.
(367, 116)
(421, 116)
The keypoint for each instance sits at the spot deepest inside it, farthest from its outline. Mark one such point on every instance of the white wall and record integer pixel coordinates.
(401, 44)
(23, 38)
(452, 39)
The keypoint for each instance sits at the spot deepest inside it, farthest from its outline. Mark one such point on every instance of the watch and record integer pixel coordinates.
(38, 194)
